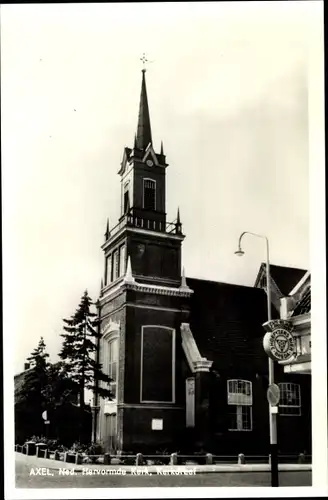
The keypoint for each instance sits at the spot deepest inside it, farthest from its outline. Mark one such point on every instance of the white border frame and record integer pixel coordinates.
(173, 363)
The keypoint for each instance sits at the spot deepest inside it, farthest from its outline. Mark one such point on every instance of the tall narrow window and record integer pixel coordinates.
(126, 198)
(240, 401)
(149, 194)
(115, 265)
(122, 260)
(112, 366)
(108, 270)
(290, 399)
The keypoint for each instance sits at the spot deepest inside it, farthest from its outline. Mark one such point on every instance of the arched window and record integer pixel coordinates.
(112, 357)
(149, 194)
(240, 401)
(290, 399)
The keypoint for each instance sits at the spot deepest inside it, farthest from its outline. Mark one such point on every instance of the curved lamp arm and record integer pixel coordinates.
(240, 252)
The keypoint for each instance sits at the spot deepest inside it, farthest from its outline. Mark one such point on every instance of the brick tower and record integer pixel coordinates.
(142, 304)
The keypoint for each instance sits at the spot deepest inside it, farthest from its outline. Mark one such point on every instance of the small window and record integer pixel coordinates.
(149, 194)
(240, 401)
(108, 270)
(122, 260)
(126, 198)
(290, 399)
(115, 265)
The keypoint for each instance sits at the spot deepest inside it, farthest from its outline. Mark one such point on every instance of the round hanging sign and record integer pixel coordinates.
(279, 344)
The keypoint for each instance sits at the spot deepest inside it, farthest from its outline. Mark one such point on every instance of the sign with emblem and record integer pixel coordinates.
(279, 342)
(273, 394)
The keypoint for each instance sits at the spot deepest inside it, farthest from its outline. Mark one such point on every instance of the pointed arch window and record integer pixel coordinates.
(149, 194)
(112, 365)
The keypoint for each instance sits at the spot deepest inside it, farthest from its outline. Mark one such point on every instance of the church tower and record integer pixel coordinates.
(142, 304)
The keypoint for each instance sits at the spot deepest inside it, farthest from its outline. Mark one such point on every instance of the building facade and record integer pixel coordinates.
(185, 356)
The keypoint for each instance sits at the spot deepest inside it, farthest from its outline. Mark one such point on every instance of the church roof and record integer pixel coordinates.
(304, 305)
(226, 321)
(285, 277)
(143, 137)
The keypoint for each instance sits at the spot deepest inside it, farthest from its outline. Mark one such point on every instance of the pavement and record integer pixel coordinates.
(195, 469)
(33, 472)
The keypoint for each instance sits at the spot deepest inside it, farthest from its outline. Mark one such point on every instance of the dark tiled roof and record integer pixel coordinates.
(304, 305)
(19, 380)
(286, 278)
(226, 321)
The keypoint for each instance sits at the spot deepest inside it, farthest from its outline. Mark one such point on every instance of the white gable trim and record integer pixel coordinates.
(196, 362)
(150, 152)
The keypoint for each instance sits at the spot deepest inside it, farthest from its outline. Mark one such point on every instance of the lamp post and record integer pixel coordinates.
(272, 416)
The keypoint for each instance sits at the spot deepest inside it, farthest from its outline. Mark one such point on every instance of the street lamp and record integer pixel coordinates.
(272, 416)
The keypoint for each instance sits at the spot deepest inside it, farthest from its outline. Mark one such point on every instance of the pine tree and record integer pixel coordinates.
(79, 350)
(36, 378)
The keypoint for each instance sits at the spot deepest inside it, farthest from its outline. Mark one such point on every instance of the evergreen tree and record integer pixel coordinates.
(79, 350)
(36, 377)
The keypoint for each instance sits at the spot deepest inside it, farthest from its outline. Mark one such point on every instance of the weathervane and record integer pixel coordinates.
(144, 61)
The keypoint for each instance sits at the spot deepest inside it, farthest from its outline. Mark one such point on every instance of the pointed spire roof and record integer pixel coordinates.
(143, 129)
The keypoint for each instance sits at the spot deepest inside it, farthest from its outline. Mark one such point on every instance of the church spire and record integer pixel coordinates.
(143, 129)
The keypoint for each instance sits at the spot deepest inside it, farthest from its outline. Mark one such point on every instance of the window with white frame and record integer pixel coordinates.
(290, 399)
(240, 401)
(112, 357)
(149, 194)
(108, 270)
(115, 272)
(122, 260)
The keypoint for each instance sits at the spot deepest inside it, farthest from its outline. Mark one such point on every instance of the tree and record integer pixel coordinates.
(79, 350)
(44, 386)
(35, 379)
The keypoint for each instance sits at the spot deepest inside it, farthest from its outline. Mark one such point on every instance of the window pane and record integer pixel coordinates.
(115, 265)
(290, 399)
(149, 194)
(114, 373)
(108, 270)
(122, 260)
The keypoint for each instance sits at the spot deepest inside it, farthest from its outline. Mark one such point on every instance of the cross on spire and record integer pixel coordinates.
(144, 61)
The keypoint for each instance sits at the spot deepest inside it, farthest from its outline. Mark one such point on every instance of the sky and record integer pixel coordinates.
(228, 95)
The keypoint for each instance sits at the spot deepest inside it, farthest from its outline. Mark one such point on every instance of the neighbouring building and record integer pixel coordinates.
(185, 355)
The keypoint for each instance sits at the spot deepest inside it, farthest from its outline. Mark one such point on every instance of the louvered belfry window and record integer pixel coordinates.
(149, 194)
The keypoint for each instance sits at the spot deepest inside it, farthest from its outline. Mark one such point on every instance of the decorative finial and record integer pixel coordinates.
(183, 281)
(178, 216)
(135, 141)
(144, 61)
(128, 275)
(162, 149)
(107, 230)
(101, 285)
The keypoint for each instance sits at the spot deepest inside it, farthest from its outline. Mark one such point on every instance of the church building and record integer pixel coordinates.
(185, 355)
